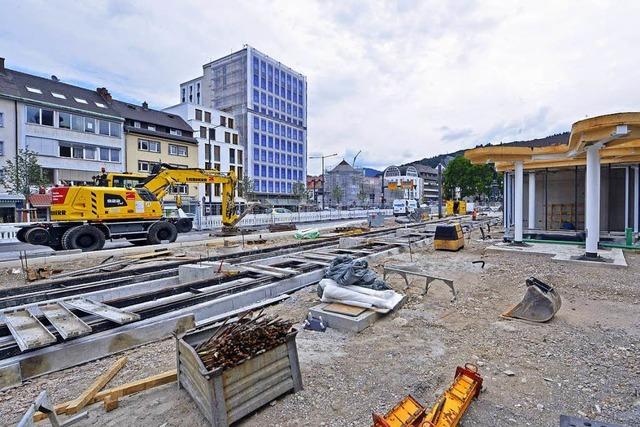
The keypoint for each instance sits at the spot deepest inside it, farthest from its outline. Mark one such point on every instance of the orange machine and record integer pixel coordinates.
(446, 413)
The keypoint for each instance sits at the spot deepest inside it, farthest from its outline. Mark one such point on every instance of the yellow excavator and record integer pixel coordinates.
(84, 217)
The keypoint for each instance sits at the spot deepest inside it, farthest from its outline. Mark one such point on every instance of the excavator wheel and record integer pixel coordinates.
(36, 236)
(20, 234)
(162, 231)
(85, 237)
(184, 225)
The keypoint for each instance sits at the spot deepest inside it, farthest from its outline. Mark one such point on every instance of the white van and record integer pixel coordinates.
(404, 206)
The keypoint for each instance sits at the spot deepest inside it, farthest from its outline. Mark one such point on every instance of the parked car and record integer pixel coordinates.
(277, 211)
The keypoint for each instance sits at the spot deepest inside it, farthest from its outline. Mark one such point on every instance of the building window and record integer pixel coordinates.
(216, 153)
(203, 132)
(143, 166)
(1, 120)
(232, 155)
(235, 138)
(103, 127)
(212, 134)
(151, 127)
(183, 95)
(207, 117)
(114, 129)
(198, 115)
(1, 148)
(64, 120)
(227, 137)
(176, 132)
(179, 189)
(178, 150)
(223, 121)
(137, 125)
(33, 115)
(239, 159)
(230, 123)
(89, 125)
(65, 151)
(145, 145)
(77, 123)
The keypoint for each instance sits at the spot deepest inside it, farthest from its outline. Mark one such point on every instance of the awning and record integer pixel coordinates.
(10, 200)
(40, 200)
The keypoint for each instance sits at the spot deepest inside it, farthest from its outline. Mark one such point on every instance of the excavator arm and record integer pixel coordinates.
(166, 176)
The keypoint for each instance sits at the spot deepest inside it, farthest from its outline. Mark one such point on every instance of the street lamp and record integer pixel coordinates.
(323, 157)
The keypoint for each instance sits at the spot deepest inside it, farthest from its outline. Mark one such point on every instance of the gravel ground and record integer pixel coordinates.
(585, 362)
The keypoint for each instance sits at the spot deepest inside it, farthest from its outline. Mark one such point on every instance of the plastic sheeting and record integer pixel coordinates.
(357, 295)
(309, 233)
(346, 271)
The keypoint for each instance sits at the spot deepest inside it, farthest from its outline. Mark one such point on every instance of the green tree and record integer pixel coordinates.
(21, 175)
(473, 180)
(362, 195)
(299, 191)
(246, 189)
(336, 193)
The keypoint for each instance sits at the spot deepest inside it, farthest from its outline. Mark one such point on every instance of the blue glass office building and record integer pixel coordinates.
(269, 101)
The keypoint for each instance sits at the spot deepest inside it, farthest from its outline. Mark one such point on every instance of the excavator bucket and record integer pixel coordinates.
(539, 304)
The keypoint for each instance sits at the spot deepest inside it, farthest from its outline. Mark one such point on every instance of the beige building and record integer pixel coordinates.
(153, 137)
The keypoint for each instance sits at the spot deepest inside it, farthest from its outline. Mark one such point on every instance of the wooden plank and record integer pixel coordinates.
(120, 391)
(149, 255)
(347, 310)
(84, 398)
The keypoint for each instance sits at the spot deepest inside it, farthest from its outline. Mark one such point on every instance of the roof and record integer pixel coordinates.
(343, 166)
(40, 200)
(147, 132)
(14, 84)
(616, 136)
(424, 168)
(370, 172)
(149, 115)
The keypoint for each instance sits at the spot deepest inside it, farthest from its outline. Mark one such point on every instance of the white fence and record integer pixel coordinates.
(8, 231)
(215, 221)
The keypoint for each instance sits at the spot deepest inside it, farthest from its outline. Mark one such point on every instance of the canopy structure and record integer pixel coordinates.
(611, 140)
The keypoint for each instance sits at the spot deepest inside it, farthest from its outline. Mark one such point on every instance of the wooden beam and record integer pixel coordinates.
(78, 403)
(118, 392)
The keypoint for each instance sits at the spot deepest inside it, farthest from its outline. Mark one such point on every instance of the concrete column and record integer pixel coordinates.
(626, 198)
(505, 178)
(518, 202)
(636, 198)
(592, 203)
(532, 200)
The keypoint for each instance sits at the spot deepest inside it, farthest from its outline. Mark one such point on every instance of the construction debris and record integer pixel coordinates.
(39, 273)
(539, 304)
(232, 344)
(346, 271)
(274, 228)
(446, 413)
(45, 407)
(307, 233)
(86, 396)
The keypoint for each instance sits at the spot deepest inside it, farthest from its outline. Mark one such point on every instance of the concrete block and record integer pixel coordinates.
(344, 323)
(192, 272)
(404, 232)
(350, 242)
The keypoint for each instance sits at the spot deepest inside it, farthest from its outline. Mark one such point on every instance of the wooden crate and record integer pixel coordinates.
(226, 395)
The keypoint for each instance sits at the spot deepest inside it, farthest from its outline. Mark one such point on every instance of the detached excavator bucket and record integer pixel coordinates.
(539, 304)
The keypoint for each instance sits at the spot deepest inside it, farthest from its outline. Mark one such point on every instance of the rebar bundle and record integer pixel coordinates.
(250, 336)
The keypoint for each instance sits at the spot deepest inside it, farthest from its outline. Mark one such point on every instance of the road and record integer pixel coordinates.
(11, 251)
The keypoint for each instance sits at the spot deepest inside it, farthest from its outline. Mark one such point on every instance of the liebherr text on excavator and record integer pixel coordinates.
(84, 217)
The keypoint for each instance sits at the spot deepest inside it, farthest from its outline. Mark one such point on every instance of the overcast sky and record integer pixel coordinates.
(399, 80)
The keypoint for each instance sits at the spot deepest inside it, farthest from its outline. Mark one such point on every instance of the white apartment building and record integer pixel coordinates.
(218, 147)
(73, 130)
(402, 182)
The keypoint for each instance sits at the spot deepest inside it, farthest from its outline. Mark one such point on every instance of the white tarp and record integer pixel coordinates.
(359, 296)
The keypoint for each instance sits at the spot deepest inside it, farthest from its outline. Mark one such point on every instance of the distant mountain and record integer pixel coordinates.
(371, 172)
(436, 160)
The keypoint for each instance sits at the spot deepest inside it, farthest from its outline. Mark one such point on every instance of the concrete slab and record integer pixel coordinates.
(350, 242)
(193, 272)
(342, 322)
(613, 258)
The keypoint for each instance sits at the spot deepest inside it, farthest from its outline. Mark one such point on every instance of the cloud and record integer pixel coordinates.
(399, 80)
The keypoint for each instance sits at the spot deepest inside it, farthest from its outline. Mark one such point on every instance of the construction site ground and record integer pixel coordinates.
(585, 362)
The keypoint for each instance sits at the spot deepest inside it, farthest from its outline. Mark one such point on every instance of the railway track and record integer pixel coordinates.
(155, 294)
